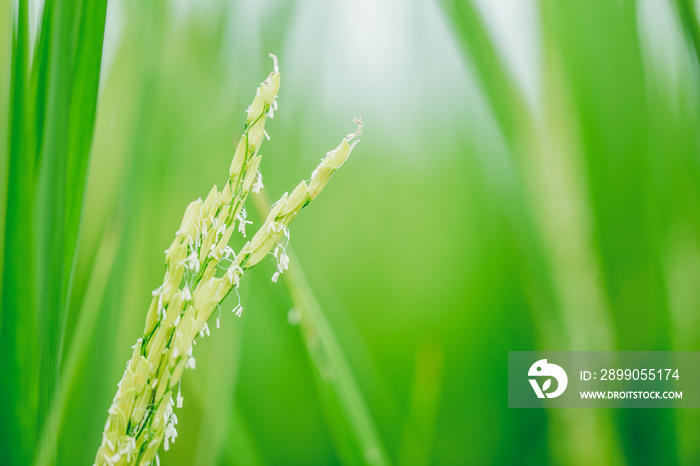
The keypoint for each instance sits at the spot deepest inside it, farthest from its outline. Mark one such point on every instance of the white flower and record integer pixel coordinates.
(220, 231)
(282, 259)
(274, 227)
(129, 448)
(258, 183)
(191, 361)
(228, 252)
(186, 294)
(170, 419)
(192, 262)
(242, 221)
(233, 274)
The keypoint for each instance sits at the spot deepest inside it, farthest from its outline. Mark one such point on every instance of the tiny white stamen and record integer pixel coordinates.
(170, 419)
(220, 231)
(258, 183)
(274, 227)
(233, 274)
(193, 262)
(242, 221)
(180, 399)
(282, 259)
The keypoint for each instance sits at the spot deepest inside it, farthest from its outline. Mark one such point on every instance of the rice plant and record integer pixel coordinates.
(141, 416)
(530, 182)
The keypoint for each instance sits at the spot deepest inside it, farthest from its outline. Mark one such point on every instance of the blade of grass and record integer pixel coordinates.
(688, 15)
(354, 432)
(503, 97)
(561, 240)
(78, 349)
(241, 447)
(74, 56)
(5, 73)
(425, 396)
(623, 132)
(53, 112)
(219, 385)
(18, 391)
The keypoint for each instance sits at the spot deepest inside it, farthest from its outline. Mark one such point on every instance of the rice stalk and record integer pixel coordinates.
(201, 270)
(339, 389)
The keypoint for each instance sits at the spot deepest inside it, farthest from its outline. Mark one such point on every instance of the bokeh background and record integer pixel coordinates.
(528, 179)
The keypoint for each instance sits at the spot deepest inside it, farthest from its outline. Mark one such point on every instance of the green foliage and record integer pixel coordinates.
(53, 93)
(474, 219)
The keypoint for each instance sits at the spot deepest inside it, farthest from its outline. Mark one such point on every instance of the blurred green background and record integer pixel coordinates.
(528, 179)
